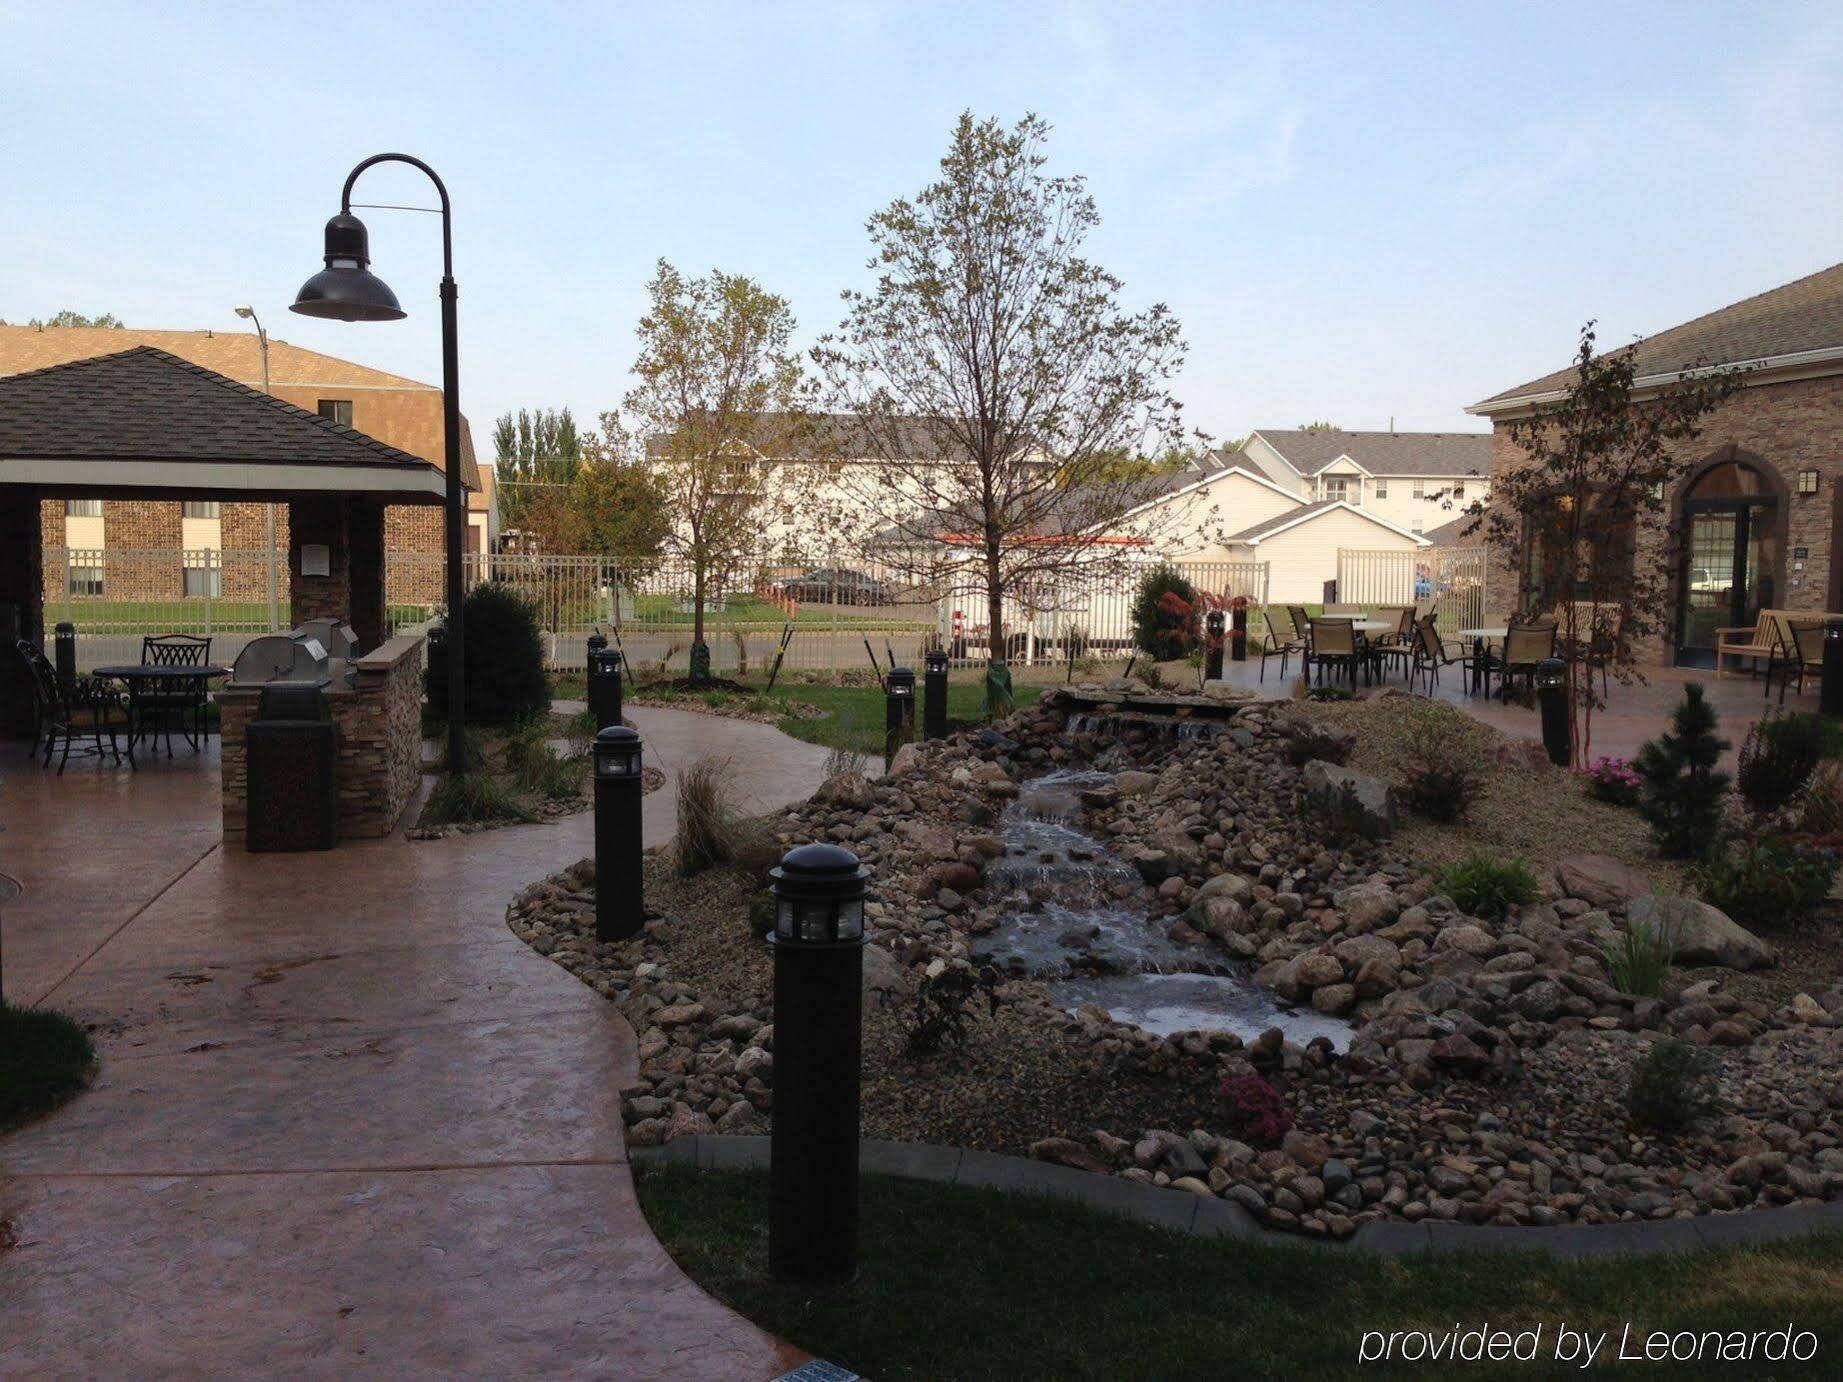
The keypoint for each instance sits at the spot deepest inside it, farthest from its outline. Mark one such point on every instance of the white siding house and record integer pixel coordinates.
(1415, 480)
(1301, 547)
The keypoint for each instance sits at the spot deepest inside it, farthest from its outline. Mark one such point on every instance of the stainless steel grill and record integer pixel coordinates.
(291, 657)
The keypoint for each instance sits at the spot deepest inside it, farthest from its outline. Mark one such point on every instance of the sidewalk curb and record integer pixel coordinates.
(1212, 1217)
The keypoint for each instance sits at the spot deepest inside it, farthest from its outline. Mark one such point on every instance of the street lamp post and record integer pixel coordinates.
(248, 313)
(347, 290)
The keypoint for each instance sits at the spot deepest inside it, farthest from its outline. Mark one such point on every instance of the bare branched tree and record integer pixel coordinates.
(1582, 512)
(1001, 394)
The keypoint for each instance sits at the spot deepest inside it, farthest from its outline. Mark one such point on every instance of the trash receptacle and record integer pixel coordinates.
(289, 753)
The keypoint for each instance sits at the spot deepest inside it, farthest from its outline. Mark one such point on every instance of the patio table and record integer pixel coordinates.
(140, 675)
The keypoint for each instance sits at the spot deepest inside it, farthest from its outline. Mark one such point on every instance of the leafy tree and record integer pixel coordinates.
(994, 372)
(1165, 620)
(1595, 468)
(721, 394)
(67, 317)
(534, 452)
(1319, 427)
(1682, 789)
(612, 508)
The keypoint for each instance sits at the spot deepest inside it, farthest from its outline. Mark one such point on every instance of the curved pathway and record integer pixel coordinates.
(346, 1122)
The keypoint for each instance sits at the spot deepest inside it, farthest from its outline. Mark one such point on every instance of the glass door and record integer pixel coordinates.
(1709, 582)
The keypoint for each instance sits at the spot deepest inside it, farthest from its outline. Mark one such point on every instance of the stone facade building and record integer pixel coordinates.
(1753, 521)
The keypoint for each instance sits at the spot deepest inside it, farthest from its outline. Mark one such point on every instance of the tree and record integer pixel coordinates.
(613, 507)
(721, 395)
(996, 377)
(1319, 427)
(534, 451)
(67, 317)
(1579, 509)
(1683, 789)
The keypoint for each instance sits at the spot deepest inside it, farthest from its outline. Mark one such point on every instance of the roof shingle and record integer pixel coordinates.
(1385, 453)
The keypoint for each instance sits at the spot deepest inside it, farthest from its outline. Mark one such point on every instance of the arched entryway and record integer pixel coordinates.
(1732, 553)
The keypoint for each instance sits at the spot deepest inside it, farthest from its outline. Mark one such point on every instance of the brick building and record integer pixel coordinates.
(1754, 521)
(402, 413)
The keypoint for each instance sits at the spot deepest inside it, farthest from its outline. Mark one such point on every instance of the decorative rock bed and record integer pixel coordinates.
(1436, 1066)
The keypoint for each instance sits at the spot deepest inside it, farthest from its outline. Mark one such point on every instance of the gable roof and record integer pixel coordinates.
(1307, 513)
(145, 407)
(1801, 318)
(1408, 454)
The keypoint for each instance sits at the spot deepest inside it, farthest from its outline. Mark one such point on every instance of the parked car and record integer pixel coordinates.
(837, 585)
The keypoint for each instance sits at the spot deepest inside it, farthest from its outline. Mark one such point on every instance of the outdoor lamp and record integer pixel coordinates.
(620, 902)
(819, 896)
(1552, 699)
(934, 700)
(617, 752)
(902, 683)
(346, 289)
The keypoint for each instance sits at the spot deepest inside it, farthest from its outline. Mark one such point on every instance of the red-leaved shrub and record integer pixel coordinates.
(1256, 1109)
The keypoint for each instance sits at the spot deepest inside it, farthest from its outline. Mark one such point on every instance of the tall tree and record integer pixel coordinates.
(1581, 510)
(69, 318)
(534, 451)
(721, 395)
(994, 370)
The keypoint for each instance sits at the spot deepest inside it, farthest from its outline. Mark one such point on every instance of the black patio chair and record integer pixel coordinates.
(74, 708)
(1432, 652)
(160, 706)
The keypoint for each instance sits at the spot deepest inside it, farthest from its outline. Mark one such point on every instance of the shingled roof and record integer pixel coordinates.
(146, 405)
(1802, 316)
(1385, 453)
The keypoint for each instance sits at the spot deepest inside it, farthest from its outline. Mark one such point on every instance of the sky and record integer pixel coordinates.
(1359, 212)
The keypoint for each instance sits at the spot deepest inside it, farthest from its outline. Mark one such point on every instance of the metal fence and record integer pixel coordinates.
(116, 596)
(1450, 581)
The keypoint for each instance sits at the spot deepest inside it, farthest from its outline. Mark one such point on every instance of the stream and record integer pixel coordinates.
(1080, 925)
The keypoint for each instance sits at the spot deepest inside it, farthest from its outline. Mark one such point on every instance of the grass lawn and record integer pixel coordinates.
(976, 1284)
(44, 1059)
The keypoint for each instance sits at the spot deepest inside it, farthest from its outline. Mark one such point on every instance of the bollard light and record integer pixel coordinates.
(64, 652)
(1213, 626)
(934, 694)
(1238, 629)
(1830, 693)
(1552, 696)
(620, 907)
(818, 946)
(604, 682)
(899, 711)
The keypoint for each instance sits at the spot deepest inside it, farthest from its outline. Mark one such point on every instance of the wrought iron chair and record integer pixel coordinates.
(80, 707)
(159, 706)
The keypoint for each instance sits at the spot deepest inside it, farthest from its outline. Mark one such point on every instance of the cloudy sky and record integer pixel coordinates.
(1359, 212)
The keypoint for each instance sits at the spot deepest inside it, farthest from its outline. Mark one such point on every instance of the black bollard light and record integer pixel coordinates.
(934, 695)
(1830, 697)
(898, 711)
(1552, 696)
(64, 652)
(1213, 629)
(818, 945)
(620, 908)
(1238, 632)
(604, 682)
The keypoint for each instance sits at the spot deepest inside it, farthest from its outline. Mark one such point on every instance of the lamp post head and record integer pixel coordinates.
(245, 311)
(935, 660)
(819, 896)
(901, 682)
(617, 752)
(346, 289)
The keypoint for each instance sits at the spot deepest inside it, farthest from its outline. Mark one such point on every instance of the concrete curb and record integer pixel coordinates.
(1183, 1212)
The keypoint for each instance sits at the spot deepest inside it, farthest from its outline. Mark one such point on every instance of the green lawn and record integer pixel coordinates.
(658, 613)
(959, 1284)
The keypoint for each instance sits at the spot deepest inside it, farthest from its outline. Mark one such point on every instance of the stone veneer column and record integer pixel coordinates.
(365, 566)
(320, 519)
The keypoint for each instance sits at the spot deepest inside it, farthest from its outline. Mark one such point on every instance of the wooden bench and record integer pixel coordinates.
(1769, 636)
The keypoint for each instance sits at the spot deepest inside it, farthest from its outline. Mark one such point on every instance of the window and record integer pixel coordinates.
(200, 508)
(83, 508)
(1420, 489)
(336, 410)
(1416, 526)
(1341, 487)
(1382, 488)
(202, 581)
(85, 580)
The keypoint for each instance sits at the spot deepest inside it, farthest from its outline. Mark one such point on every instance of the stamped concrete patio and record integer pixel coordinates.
(345, 1123)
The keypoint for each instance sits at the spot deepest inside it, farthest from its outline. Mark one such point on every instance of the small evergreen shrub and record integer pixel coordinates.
(1767, 882)
(1638, 958)
(1827, 733)
(1672, 1085)
(943, 1000)
(1614, 780)
(1777, 760)
(1163, 628)
(1485, 887)
(504, 675)
(1683, 790)
(1254, 1109)
(1443, 756)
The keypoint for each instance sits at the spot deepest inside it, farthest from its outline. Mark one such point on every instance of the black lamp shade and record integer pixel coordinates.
(819, 896)
(346, 289)
(616, 752)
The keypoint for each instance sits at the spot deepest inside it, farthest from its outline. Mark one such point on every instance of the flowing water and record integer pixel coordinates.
(1078, 922)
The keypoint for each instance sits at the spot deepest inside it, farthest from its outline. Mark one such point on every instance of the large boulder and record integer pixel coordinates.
(1371, 810)
(1367, 906)
(1600, 880)
(850, 790)
(1703, 935)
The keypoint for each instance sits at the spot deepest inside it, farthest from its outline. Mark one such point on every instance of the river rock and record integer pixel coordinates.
(1704, 935)
(1600, 880)
(1133, 783)
(1373, 809)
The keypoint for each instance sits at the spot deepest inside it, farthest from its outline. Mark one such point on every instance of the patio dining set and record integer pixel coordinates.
(168, 690)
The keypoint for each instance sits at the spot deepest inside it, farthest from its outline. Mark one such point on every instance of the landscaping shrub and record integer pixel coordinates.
(762, 911)
(1777, 760)
(755, 851)
(1485, 887)
(1827, 733)
(1443, 755)
(1766, 882)
(1164, 628)
(1254, 1109)
(708, 831)
(1672, 1085)
(469, 798)
(1341, 815)
(45, 1058)
(1614, 780)
(942, 1000)
(1683, 790)
(1822, 810)
(1328, 743)
(1638, 958)
(844, 758)
(504, 676)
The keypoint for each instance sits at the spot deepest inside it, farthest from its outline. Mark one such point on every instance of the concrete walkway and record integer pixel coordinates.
(346, 1123)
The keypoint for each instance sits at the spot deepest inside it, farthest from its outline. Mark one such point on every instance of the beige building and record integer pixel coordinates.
(1414, 480)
